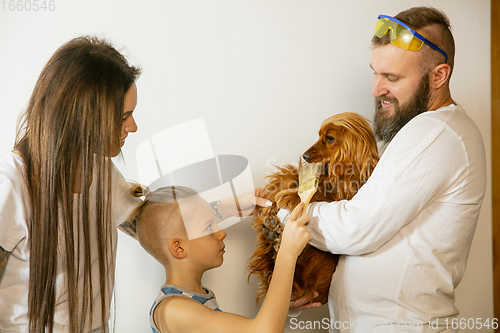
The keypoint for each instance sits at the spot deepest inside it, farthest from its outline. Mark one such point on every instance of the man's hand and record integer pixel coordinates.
(303, 303)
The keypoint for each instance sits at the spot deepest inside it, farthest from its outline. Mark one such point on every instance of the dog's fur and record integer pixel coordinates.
(348, 151)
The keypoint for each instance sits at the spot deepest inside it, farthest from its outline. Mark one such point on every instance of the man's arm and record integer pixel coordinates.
(4, 256)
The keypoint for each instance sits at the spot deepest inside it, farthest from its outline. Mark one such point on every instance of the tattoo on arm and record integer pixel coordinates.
(214, 205)
(4, 255)
(130, 227)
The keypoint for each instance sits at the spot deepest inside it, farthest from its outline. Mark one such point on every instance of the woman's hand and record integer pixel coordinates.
(250, 201)
(247, 204)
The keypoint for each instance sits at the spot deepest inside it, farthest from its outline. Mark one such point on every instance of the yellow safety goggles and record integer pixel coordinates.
(402, 35)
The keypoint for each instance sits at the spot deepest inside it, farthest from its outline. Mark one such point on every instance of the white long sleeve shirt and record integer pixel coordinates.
(407, 233)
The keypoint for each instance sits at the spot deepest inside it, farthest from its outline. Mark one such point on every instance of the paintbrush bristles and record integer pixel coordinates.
(308, 182)
(309, 176)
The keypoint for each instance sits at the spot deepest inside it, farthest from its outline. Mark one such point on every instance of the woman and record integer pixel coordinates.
(61, 195)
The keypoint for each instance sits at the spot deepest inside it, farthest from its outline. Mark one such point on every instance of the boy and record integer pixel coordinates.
(176, 226)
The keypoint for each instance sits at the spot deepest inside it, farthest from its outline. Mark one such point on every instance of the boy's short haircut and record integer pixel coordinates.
(170, 194)
(159, 219)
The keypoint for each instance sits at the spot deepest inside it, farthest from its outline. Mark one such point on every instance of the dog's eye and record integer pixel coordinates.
(329, 139)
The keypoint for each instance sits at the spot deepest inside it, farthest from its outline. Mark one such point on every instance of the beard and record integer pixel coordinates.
(386, 127)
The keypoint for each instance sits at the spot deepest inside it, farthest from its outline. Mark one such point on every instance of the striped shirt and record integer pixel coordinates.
(170, 290)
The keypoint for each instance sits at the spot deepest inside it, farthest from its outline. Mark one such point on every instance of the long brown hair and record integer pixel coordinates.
(68, 132)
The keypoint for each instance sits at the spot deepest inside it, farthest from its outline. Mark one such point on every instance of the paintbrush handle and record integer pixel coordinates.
(306, 197)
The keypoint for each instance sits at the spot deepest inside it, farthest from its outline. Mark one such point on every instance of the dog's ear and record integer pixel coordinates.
(282, 189)
(288, 199)
(366, 148)
(261, 263)
(284, 179)
(355, 158)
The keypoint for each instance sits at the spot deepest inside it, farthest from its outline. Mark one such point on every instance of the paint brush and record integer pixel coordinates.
(308, 182)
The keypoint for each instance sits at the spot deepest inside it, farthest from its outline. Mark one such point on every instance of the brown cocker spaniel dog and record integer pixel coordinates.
(348, 151)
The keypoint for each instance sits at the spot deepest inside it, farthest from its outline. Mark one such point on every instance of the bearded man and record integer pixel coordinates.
(405, 237)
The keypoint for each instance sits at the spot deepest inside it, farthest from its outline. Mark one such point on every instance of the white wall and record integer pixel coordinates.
(263, 74)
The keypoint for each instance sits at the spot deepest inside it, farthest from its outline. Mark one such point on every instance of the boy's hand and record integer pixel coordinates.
(296, 234)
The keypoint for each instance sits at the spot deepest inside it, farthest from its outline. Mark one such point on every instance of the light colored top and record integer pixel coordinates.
(407, 233)
(14, 212)
(170, 290)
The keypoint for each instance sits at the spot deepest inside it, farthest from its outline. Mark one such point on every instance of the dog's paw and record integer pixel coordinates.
(270, 225)
(271, 229)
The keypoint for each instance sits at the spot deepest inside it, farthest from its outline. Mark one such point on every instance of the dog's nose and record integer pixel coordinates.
(306, 157)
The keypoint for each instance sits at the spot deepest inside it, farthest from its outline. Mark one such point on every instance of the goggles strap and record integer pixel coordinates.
(414, 33)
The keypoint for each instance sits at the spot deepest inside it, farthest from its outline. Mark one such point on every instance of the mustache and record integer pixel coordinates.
(379, 99)
(384, 98)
